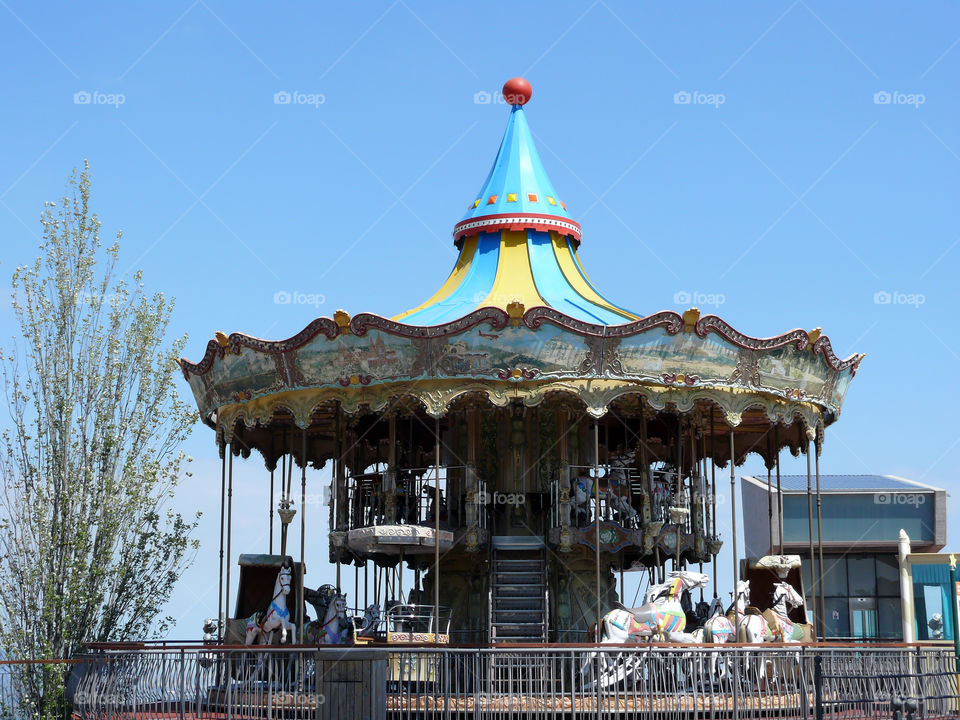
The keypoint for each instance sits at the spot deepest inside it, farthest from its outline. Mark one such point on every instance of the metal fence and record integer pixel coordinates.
(654, 681)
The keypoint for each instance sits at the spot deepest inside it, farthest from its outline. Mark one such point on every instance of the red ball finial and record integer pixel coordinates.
(517, 91)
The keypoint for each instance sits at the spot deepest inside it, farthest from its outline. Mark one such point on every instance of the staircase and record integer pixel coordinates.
(518, 597)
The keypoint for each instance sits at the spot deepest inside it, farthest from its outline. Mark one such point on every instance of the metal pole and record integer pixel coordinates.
(813, 578)
(733, 534)
(596, 500)
(954, 612)
(221, 620)
(436, 532)
(303, 528)
(769, 497)
(733, 517)
(271, 512)
(713, 494)
(823, 599)
(229, 528)
(776, 442)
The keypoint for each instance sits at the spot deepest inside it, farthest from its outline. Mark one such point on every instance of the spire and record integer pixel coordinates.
(518, 244)
(517, 193)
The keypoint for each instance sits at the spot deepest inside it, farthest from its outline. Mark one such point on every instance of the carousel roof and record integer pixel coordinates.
(516, 321)
(517, 241)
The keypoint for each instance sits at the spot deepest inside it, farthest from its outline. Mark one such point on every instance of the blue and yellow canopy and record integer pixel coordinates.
(517, 243)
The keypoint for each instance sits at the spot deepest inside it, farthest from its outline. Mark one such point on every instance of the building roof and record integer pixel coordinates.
(846, 483)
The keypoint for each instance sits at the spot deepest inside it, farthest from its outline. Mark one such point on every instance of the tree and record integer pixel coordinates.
(89, 549)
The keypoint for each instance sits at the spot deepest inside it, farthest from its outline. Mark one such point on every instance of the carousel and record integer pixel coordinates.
(516, 444)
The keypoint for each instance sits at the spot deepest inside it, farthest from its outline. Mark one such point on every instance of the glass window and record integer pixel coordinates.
(862, 576)
(834, 576)
(863, 617)
(859, 517)
(890, 623)
(888, 576)
(929, 612)
(837, 617)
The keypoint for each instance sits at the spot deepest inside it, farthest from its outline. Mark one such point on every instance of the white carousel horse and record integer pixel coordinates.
(335, 628)
(663, 619)
(368, 622)
(261, 625)
(716, 630)
(785, 598)
(609, 490)
(773, 625)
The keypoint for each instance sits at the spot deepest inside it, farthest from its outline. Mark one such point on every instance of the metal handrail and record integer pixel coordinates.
(414, 494)
(785, 681)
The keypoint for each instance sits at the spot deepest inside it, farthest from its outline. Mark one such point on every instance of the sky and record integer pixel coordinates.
(782, 164)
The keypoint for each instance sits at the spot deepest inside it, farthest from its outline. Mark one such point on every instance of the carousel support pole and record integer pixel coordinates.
(221, 620)
(436, 531)
(813, 579)
(366, 583)
(303, 528)
(596, 500)
(644, 460)
(776, 442)
(229, 527)
(733, 516)
(818, 446)
(271, 512)
(713, 495)
(769, 495)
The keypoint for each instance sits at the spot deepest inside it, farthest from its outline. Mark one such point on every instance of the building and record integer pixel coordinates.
(862, 518)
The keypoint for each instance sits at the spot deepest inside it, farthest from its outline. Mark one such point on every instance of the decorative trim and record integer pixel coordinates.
(533, 318)
(495, 317)
(517, 221)
(320, 326)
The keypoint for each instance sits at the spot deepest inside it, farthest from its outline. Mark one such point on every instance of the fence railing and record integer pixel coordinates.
(365, 497)
(517, 681)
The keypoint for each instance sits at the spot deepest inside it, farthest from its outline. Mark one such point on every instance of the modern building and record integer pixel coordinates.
(862, 519)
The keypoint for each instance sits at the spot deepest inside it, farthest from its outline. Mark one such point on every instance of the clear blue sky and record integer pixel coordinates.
(795, 200)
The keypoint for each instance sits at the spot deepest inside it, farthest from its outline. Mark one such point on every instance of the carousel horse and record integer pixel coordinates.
(662, 618)
(584, 489)
(716, 630)
(783, 629)
(367, 623)
(335, 628)
(773, 624)
(261, 625)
